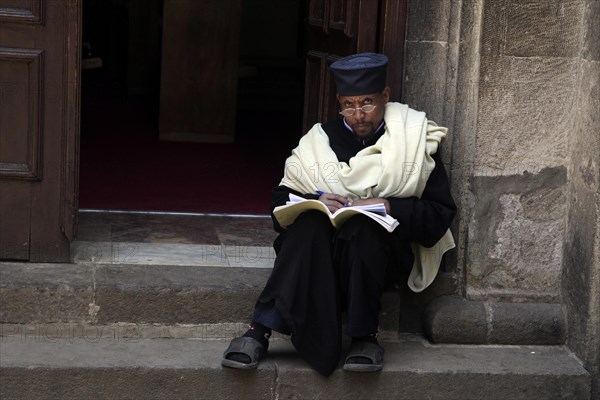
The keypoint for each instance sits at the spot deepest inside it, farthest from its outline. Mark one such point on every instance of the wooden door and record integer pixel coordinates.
(39, 127)
(337, 28)
(199, 72)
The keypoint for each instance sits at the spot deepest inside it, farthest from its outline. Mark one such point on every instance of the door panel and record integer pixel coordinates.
(320, 96)
(15, 219)
(392, 34)
(21, 72)
(39, 114)
(25, 11)
(199, 72)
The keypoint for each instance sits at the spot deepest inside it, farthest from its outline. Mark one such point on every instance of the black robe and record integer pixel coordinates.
(304, 287)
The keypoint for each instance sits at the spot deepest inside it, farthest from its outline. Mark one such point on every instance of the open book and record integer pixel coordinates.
(287, 214)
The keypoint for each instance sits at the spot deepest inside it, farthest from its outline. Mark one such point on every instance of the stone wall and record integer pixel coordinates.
(429, 85)
(527, 112)
(517, 83)
(581, 264)
(504, 76)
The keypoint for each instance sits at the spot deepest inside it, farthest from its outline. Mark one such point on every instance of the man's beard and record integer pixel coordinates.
(367, 129)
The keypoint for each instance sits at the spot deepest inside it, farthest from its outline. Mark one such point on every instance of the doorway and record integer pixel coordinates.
(49, 169)
(125, 165)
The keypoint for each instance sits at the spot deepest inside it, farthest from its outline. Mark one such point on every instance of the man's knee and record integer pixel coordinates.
(360, 225)
(311, 222)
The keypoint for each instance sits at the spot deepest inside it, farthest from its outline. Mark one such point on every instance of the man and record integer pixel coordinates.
(379, 152)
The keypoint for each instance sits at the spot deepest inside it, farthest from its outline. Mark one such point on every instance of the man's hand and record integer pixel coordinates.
(374, 200)
(333, 201)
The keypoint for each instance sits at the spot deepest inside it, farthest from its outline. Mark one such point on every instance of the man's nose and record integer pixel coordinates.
(359, 113)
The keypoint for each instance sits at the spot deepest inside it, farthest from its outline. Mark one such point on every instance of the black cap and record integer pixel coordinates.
(360, 74)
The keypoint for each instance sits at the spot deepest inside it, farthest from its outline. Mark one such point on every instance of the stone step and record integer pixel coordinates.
(77, 368)
(105, 293)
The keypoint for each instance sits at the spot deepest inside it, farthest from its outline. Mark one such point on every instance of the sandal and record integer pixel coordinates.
(246, 346)
(371, 351)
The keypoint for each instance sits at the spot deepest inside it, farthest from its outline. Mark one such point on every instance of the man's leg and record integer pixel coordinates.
(302, 292)
(362, 251)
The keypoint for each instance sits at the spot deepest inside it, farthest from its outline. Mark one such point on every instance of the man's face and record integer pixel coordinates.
(364, 124)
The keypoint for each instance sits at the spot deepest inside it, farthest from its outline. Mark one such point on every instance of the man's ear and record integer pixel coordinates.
(386, 94)
(337, 96)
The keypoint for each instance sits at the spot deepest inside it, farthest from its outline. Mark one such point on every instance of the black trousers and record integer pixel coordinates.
(318, 273)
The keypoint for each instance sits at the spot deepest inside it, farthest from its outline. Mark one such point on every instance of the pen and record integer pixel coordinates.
(320, 192)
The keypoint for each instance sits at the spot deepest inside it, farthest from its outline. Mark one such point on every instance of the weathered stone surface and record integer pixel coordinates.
(585, 163)
(174, 294)
(46, 293)
(533, 105)
(134, 383)
(464, 128)
(123, 331)
(533, 28)
(581, 279)
(527, 107)
(581, 270)
(182, 229)
(527, 250)
(516, 236)
(428, 20)
(142, 369)
(17, 274)
(32, 293)
(591, 38)
(455, 320)
(527, 103)
(440, 372)
(413, 305)
(182, 369)
(54, 294)
(580, 276)
(425, 78)
(526, 323)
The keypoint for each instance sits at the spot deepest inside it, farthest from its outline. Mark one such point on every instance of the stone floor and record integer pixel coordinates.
(173, 239)
(43, 367)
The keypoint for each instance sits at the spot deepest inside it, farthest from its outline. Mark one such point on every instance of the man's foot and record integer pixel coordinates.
(364, 356)
(245, 352)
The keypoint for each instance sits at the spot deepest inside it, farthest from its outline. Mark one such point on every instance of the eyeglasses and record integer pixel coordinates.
(348, 112)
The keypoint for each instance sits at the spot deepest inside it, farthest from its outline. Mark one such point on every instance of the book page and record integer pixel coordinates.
(287, 214)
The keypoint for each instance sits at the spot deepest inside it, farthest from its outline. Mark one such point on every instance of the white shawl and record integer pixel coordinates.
(397, 165)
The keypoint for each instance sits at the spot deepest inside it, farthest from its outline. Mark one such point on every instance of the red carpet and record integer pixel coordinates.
(125, 167)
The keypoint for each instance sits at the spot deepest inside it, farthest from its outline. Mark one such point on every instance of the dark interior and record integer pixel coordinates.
(121, 92)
